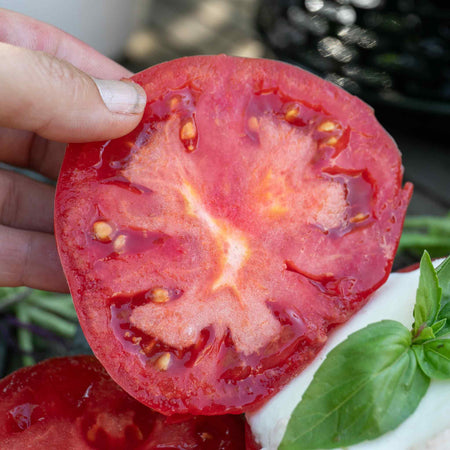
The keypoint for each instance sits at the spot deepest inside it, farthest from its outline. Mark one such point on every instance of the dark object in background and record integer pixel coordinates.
(393, 54)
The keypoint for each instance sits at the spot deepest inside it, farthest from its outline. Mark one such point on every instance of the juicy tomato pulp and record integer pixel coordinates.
(72, 403)
(211, 251)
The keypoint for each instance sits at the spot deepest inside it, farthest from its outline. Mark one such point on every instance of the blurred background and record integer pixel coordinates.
(394, 54)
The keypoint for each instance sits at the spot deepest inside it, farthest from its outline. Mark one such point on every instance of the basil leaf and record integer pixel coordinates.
(443, 273)
(444, 315)
(438, 326)
(429, 333)
(367, 385)
(425, 335)
(428, 296)
(434, 358)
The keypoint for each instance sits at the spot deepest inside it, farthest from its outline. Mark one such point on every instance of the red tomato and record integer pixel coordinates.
(72, 403)
(210, 251)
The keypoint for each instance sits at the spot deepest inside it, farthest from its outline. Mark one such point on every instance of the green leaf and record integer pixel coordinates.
(425, 335)
(438, 326)
(434, 358)
(367, 385)
(428, 298)
(443, 274)
(428, 333)
(444, 314)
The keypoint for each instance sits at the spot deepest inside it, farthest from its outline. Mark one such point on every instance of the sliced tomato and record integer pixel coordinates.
(72, 403)
(211, 251)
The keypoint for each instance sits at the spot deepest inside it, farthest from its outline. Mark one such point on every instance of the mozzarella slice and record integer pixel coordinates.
(427, 427)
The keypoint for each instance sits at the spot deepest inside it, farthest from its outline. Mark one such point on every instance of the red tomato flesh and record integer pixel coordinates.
(72, 403)
(211, 251)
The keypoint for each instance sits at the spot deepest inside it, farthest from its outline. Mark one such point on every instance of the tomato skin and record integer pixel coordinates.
(409, 268)
(72, 403)
(255, 208)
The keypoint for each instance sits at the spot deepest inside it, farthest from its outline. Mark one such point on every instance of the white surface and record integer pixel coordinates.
(103, 24)
(395, 300)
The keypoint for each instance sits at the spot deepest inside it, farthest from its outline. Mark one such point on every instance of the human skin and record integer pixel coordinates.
(54, 89)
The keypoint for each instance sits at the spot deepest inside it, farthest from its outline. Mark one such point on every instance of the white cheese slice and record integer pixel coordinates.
(427, 428)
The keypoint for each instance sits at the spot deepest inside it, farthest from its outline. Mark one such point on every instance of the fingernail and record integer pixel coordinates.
(122, 97)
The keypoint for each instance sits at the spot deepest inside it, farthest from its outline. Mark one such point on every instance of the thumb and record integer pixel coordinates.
(54, 99)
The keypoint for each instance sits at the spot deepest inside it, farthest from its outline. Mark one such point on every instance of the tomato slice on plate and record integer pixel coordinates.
(211, 251)
(72, 403)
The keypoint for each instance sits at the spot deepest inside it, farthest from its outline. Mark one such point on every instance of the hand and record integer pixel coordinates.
(47, 97)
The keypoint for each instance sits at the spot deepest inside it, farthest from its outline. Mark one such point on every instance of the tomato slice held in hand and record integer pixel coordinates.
(211, 251)
(72, 403)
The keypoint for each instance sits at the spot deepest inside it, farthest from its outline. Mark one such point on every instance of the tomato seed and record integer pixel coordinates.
(188, 134)
(162, 363)
(328, 125)
(253, 124)
(91, 434)
(188, 131)
(206, 436)
(359, 218)
(102, 231)
(119, 243)
(138, 436)
(333, 140)
(174, 102)
(159, 295)
(292, 113)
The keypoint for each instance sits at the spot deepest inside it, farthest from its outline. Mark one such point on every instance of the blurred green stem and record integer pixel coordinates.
(7, 302)
(49, 321)
(409, 240)
(24, 335)
(61, 305)
(437, 224)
